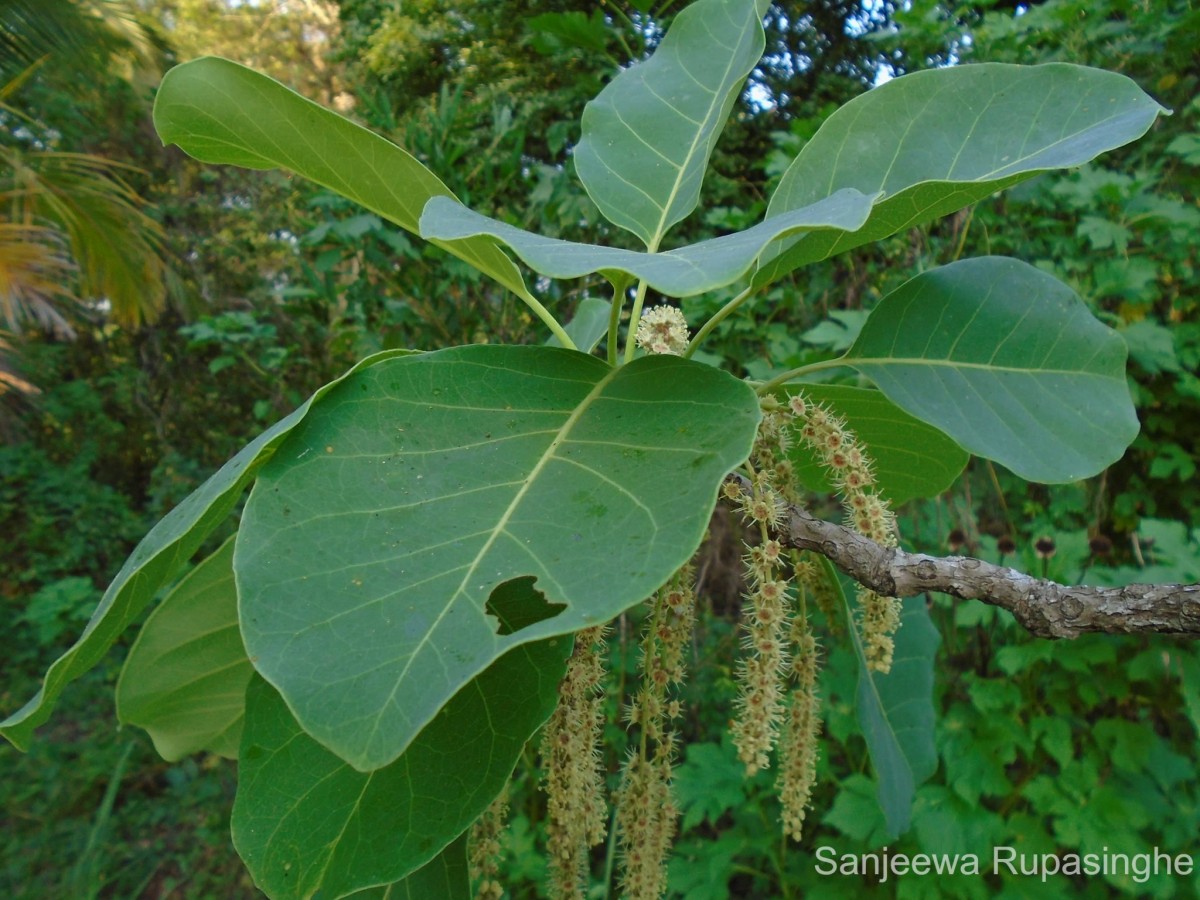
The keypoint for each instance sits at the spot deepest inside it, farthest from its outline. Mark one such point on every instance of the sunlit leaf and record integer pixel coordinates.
(648, 136)
(1008, 361)
(221, 112)
(939, 140)
(185, 678)
(375, 559)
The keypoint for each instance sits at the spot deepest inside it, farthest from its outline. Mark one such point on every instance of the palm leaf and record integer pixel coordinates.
(116, 246)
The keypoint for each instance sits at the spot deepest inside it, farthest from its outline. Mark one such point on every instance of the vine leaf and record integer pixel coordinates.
(690, 270)
(939, 140)
(220, 112)
(647, 137)
(912, 459)
(185, 678)
(304, 821)
(157, 559)
(895, 710)
(430, 488)
(1008, 361)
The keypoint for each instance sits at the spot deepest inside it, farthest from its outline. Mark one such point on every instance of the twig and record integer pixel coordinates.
(1045, 608)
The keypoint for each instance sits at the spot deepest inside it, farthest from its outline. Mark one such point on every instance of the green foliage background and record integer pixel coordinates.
(278, 287)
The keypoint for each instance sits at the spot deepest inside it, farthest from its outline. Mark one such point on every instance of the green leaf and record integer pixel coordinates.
(896, 710)
(589, 325)
(305, 822)
(220, 112)
(939, 140)
(156, 559)
(1008, 361)
(434, 487)
(446, 877)
(185, 678)
(912, 459)
(648, 136)
(685, 272)
(897, 717)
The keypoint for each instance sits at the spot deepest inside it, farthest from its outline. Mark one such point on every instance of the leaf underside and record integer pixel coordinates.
(685, 272)
(185, 678)
(370, 550)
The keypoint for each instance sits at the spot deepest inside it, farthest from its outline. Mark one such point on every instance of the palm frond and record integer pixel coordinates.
(36, 274)
(117, 248)
(82, 33)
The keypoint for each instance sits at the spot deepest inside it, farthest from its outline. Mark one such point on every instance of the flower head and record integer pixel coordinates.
(663, 329)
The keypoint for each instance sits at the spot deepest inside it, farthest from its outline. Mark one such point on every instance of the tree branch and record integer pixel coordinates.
(1044, 608)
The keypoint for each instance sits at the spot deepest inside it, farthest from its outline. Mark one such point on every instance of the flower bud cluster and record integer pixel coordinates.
(838, 449)
(571, 762)
(646, 812)
(486, 850)
(662, 329)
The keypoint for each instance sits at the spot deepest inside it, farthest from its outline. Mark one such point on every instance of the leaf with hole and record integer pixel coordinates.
(376, 560)
(1008, 361)
(939, 140)
(647, 137)
(185, 678)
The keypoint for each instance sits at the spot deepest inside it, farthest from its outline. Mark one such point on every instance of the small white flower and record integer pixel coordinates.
(663, 329)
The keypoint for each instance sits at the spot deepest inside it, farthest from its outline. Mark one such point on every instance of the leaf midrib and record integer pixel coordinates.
(855, 361)
(548, 454)
(704, 127)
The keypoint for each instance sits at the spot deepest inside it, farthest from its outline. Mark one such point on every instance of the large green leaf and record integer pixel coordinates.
(895, 711)
(220, 112)
(156, 559)
(306, 822)
(185, 678)
(1008, 361)
(690, 270)
(647, 137)
(445, 877)
(430, 488)
(939, 140)
(912, 459)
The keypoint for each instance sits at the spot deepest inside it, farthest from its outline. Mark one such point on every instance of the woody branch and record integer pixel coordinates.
(1045, 608)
